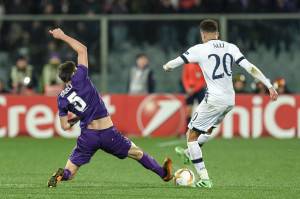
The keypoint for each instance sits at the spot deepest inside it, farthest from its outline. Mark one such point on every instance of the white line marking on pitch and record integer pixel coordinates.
(171, 143)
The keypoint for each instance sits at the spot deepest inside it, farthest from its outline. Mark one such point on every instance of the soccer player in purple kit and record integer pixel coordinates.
(97, 130)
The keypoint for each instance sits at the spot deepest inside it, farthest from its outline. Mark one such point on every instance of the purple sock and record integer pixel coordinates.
(150, 163)
(67, 175)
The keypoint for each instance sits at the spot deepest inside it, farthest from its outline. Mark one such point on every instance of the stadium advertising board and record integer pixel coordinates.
(154, 115)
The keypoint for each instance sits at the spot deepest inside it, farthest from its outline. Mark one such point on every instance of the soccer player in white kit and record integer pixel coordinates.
(215, 58)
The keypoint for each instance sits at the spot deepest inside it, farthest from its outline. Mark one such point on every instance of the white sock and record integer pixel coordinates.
(196, 158)
(203, 138)
(203, 174)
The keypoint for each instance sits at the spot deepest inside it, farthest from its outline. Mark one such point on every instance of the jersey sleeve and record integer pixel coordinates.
(191, 55)
(62, 109)
(81, 73)
(239, 58)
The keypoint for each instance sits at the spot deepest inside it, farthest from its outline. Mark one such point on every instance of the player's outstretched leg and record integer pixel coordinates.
(113, 142)
(185, 154)
(165, 171)
(63, 174)
(197, 160)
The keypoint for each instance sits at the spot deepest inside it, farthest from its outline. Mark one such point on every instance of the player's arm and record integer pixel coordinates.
(66, 123)
(173, 64)
(253, 71)
(256, 73)
(82, 55)
(190, 56)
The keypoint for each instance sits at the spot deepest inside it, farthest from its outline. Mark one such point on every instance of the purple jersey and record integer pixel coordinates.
(81, 98)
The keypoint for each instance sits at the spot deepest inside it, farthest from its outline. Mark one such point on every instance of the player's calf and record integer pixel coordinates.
(196, 154)
(165, 172)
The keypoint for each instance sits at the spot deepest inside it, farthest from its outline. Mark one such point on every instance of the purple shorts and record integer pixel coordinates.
(109, 140)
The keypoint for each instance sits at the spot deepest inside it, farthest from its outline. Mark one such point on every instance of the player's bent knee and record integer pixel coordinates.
(135, 153)
(192, 136)
(209, 131)
(139, 154)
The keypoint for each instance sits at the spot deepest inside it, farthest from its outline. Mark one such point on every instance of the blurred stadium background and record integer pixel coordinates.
(124, 35)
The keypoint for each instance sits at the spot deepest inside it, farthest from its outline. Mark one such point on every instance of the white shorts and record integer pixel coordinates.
(207, 116)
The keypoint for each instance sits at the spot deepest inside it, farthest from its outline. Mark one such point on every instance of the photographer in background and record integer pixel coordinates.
(141, 80)
(239, 83)
(259, 88)
(21, 77)
(280, 86)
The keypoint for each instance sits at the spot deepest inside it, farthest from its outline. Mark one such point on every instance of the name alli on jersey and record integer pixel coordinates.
(218, 45)
(66, 90)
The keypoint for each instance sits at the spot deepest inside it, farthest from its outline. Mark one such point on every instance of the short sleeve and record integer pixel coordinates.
(191, 55)
(62, 110)
(81, 73)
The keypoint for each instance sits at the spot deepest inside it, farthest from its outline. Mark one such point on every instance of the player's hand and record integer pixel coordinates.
(73, 121)
(57, 33)
(273, 94)
(167, 68)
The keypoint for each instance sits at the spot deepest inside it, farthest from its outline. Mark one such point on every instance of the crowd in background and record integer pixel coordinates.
(29, 57)
(140, 80)
(145, 6)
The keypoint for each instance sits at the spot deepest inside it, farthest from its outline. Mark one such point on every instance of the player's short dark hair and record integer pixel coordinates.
(21, 57)
(209, 25)
(66, 70)
(140, 55)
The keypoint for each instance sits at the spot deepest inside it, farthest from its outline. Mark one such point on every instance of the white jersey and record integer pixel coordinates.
(216, 58)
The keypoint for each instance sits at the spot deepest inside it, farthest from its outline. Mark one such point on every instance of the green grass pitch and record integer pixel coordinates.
(260, 168)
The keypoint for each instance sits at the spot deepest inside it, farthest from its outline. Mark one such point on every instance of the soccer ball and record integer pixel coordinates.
(184, 177)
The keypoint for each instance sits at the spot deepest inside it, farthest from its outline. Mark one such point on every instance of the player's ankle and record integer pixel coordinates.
(67, 175)
(203, 174)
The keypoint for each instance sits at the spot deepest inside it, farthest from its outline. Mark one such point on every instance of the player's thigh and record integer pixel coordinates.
(202, 118)
(223, 113)
(86, 146)
(113, 142)
(192, 135)
(206, 117)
